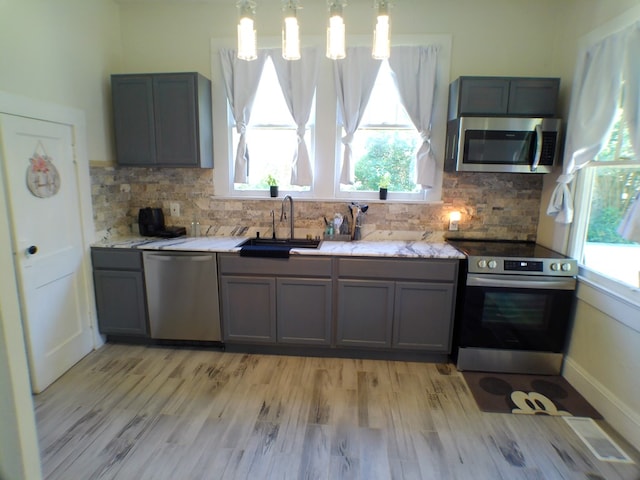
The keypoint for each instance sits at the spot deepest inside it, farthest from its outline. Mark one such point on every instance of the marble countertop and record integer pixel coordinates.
(389, 248)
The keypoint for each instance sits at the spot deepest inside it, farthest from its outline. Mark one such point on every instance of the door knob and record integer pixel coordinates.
(32, 250)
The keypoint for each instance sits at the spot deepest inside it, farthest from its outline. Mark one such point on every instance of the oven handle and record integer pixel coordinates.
(521, 281)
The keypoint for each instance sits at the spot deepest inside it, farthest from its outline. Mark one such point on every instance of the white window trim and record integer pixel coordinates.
(326, 143)
(578, 227)
(584, 181)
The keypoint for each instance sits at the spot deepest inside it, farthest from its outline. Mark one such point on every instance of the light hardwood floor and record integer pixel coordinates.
(133, 412)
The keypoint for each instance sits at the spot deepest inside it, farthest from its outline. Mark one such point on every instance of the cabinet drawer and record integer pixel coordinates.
(405, 269)
(116, 259)
(295, 266)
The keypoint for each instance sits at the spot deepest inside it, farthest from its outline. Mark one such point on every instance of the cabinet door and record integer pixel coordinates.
(248, 309)
(484, 96)
(365, 313)
(120, 301)
(132, 98)
(535, 96)
(304, 310)
(423, 316)
(176, 119)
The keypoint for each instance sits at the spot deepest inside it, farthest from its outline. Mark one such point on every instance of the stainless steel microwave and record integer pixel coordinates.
(502, 144)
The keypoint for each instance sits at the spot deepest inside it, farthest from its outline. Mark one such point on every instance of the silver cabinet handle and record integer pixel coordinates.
(536, 157)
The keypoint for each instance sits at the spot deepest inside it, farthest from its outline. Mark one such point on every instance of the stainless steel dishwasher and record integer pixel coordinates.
(182, 295)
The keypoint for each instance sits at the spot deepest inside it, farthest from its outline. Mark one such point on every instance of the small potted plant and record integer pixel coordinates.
(273, 185)
(385, 181)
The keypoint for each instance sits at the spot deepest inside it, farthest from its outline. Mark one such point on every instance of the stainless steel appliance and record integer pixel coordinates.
(514, 310)
(502, 144)
(182, 295)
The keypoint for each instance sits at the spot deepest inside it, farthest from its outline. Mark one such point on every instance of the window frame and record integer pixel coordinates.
(326, 141)
(578, 234)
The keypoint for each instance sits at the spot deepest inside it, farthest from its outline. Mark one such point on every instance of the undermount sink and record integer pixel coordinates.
(280, 242)
(274, 247)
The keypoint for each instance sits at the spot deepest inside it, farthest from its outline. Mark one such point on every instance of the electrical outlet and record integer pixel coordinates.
(174, 208)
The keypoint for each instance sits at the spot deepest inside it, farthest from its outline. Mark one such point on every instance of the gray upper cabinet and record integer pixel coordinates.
(162, 120)
(120, 293)
(503, 96)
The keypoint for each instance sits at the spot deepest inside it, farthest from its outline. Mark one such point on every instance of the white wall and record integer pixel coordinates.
(63, 51)
(59, 51)
(604, 349)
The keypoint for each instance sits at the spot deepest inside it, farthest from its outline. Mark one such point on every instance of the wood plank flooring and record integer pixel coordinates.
(134, 412)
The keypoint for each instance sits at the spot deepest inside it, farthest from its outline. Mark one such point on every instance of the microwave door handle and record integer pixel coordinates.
(538, 152)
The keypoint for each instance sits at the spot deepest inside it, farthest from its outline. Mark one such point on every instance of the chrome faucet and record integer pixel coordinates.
(283, 215)
(273, 225)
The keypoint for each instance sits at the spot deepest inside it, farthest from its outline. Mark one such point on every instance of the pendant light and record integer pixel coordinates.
(336, 31)
(381, 42)
(291, 31)
(247, 49)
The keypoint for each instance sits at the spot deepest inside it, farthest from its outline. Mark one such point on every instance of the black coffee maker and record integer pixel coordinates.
(151, 224)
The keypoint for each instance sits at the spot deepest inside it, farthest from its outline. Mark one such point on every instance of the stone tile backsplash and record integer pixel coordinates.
(504, 206)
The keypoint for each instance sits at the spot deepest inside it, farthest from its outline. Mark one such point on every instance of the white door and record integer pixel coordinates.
(43, 200)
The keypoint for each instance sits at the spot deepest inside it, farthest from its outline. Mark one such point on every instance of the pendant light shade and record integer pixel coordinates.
(291, 31)
(335, 31)
(381, 42)
(247, 49)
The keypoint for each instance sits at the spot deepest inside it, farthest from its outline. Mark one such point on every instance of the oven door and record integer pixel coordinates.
(515, 312)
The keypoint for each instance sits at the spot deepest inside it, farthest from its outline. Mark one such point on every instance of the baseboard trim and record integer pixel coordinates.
(617, 414)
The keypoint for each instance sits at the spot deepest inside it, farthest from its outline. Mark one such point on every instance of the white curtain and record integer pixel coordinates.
(354, 78)
(593, 107)
(629, 228)
(241, 80)
(414, 73)
(298, 82)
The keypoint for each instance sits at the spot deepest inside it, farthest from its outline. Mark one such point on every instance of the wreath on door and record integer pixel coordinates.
(43, 179)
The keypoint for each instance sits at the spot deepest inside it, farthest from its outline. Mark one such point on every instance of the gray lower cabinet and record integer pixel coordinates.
(396, 303)
(365, 313)
(276, 301)
(423, 316)
(119, 291)
(248, 308)
(304, 310)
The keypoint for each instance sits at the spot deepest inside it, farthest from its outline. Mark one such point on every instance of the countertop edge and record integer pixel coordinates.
(388, 249)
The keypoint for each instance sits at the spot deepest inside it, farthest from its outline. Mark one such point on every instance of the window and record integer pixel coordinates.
(610, 185)
(385, 144)
(271, 137)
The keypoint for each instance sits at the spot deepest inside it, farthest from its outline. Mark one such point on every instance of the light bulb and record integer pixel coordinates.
(247, 49)
(381, 48)
(335, 33)
(291, 37)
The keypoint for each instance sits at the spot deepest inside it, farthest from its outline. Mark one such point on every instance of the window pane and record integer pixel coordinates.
(385, 145)
(384, 154)
(269, 106)
(271, 153)
(271, 136)
(613, 190)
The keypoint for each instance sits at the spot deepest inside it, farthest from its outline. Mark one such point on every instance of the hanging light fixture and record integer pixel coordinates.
(247, 49)
(336, 31)
(291, 30)
(381, 42)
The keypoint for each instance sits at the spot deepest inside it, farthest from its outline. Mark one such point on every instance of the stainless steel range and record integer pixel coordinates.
(513, 315)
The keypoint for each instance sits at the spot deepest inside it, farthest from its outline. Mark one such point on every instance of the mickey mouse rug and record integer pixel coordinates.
(527, 394)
